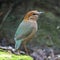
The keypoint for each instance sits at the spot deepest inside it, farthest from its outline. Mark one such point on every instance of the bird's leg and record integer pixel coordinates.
(24, 45)
(17, 52)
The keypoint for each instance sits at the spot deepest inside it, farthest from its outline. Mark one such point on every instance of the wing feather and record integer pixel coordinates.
(24, 29)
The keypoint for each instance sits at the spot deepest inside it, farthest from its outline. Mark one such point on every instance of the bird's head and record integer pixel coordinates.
(32, 15)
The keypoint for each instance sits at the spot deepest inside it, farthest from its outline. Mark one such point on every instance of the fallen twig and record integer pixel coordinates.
(11, 49)
(6, 15)
(7, 48)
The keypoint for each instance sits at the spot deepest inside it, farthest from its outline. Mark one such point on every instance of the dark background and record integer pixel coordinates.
(13, 11)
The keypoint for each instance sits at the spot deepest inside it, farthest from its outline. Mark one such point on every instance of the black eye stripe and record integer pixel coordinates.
(35, 14)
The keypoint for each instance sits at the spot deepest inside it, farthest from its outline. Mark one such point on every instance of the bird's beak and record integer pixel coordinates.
(40, 13)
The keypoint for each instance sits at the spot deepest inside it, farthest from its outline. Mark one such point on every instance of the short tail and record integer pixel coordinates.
(18, 44)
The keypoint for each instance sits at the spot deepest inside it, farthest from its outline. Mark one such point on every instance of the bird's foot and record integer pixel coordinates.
(22, 52)
(16, 52)
(19, 52)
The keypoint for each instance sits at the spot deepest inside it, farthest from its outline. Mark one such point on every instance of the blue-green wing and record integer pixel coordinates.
(23, 30)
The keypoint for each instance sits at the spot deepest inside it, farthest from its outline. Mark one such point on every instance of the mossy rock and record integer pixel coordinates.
(4, 55)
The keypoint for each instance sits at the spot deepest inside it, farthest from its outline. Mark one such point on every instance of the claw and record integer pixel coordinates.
(19, 52)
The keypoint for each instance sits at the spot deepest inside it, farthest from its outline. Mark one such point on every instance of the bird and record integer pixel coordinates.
(26, 30)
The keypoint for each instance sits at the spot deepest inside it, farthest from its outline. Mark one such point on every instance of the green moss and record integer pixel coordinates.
(4, 55)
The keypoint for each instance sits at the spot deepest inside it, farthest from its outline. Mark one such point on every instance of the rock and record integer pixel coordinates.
(38, 55)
